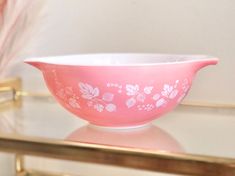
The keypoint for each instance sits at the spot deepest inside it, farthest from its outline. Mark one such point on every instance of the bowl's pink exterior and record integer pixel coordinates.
(120, 96)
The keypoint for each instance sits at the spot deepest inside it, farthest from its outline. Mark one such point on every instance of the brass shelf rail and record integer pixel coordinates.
(151, 160)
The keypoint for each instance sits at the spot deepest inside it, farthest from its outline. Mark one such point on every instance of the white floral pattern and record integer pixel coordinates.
(173, 94)
(88, 92)
(67, 94)
(132, 89)
(148, 90)
(108, 97)
(111, 107)
(161, 102)
(99, 107)
(167, 90)
(92, 94)
(130, 102)
(145, 107)
(170, 91)
(144, 98)
(136, 95)
(116, 86)
(156, 97)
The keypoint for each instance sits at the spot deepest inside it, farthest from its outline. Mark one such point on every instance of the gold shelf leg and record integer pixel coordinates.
(19, 165)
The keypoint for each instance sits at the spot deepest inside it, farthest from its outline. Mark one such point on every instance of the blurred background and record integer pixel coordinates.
(155, 26)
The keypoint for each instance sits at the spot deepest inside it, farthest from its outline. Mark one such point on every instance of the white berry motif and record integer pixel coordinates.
(110, 107)
(168, 93)
(130, 102)
(92, 94)
(145, 107)
(116, 86)
(108, 97)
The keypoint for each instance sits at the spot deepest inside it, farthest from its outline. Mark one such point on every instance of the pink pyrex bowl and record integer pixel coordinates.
(120, 90)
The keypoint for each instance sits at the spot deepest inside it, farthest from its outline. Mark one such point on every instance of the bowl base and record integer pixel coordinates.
(120, 127)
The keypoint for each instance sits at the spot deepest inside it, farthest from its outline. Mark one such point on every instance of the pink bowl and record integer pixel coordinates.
(120, 90)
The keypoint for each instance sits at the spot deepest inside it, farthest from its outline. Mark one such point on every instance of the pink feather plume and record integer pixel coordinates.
(19, 20)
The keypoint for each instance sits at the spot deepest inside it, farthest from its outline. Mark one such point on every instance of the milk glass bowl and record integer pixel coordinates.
(120, 90)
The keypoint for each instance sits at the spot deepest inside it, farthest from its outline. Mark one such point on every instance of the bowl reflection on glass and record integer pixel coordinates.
(149, 137)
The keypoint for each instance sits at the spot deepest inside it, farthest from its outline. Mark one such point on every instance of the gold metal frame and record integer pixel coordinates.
(41, 173)
(12, 86)
(19, 164)
(159, 161)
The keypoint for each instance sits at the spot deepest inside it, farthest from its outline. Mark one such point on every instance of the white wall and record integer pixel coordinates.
(161, 26)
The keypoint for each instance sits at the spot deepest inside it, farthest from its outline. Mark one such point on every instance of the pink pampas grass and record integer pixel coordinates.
(19, 19)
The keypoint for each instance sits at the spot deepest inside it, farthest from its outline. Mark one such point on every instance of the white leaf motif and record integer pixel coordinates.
(165, 93)
(148, 90)
(88, 92)
(173, 94)
(130, 102)
(156, 97)
(160, 102)
(110, 107)
(108, 97)
(95, 92)
(167, 89)
(83, 88)
(132, 89)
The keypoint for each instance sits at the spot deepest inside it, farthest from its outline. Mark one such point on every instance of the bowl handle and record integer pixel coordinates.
(203, 63)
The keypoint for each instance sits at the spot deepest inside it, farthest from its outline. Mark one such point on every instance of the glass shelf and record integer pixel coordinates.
(194, 136)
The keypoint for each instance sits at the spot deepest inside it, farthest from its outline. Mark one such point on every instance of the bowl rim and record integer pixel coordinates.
(167, 59)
